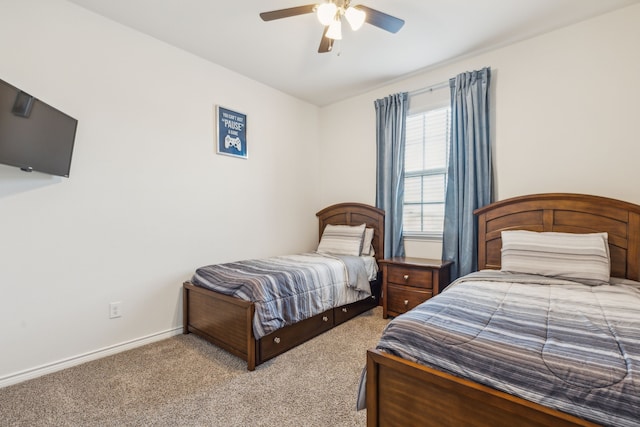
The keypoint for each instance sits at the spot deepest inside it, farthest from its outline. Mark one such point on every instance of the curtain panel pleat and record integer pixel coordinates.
(391, 114)
(469, 180)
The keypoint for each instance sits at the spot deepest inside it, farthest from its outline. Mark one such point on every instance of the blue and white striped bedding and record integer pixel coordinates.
(565, 345)
(287, 289)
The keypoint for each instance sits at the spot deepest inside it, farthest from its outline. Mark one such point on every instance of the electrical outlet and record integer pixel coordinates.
(115, 310)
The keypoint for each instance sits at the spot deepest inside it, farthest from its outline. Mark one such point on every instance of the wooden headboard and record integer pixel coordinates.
(355, 214)
(568, 213)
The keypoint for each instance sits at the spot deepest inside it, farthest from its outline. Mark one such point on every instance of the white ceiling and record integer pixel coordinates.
(283, 53)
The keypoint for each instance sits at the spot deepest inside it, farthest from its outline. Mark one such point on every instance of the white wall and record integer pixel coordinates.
(566, 116)
(148, 200)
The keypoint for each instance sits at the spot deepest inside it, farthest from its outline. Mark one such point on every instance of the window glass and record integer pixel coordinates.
(426, 155)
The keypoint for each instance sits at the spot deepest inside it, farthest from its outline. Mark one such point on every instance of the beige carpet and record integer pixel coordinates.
(185, 381)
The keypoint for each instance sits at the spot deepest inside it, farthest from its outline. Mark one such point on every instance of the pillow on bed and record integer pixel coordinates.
(367, 247)
(342, 239)
(582, 258)
(372, 252)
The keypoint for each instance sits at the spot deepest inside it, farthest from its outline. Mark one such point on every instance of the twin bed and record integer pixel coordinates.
(224, 307)
(553, 338)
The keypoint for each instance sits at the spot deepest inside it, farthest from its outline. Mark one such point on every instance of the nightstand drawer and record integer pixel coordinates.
(401, 299)
(409, 276)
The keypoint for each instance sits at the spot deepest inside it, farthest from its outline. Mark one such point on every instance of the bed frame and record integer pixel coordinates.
(404, 393)
(228, 322)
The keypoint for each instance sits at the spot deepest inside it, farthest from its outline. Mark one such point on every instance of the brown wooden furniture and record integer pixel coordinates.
(407, 282)
(227, 321)
(400, 392)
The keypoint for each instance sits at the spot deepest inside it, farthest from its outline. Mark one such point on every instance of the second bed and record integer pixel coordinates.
(258, 309)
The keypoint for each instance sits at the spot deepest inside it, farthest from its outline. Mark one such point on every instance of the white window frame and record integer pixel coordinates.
(430, 234)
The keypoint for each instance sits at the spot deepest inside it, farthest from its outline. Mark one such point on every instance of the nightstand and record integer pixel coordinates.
(408, 282)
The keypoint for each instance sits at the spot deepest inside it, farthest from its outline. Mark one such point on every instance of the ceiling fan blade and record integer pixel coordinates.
(381, 19)
(285, 13)
(326, 44)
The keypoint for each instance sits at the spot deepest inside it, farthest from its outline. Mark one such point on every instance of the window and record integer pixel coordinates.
(425, 168)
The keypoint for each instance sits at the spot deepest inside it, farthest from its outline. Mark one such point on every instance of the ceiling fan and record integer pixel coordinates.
(330, 14)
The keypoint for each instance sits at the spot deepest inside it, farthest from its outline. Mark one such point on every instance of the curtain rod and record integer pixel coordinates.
(431, 88)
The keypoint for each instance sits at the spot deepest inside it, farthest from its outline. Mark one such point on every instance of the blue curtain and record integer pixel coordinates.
(469, 180)
(391, 114)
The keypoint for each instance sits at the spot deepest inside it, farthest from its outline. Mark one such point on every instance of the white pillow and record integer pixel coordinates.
(367, 247)
(582, 258)
(342, 239)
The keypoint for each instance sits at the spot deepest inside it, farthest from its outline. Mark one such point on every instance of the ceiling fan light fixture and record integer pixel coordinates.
(326, 13)
(355, 17)
(330, 13)
(335, 30)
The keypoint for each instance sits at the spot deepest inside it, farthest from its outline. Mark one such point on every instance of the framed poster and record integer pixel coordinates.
(231, 134)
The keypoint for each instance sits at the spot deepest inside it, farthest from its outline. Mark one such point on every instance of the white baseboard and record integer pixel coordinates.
(49, 368)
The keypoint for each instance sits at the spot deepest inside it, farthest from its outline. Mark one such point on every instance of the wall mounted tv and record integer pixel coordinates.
(34, 136)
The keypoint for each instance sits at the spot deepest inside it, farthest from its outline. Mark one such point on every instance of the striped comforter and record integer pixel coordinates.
(568, 346)
(286, 289)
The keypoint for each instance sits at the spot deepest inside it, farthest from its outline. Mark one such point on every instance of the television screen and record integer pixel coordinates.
(33, 135)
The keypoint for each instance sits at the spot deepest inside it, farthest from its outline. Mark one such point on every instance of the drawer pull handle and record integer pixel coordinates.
(325, 319)
(406, 302)
(406, 277)
(344, 309)
(276, 340)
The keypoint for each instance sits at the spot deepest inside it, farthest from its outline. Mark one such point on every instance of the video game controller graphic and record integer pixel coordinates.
(232, 142)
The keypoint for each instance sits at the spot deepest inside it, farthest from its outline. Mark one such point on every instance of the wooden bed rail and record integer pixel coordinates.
(403, 393)
(213, 315)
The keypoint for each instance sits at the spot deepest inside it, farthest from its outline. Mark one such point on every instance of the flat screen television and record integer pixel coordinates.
(34, 136)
